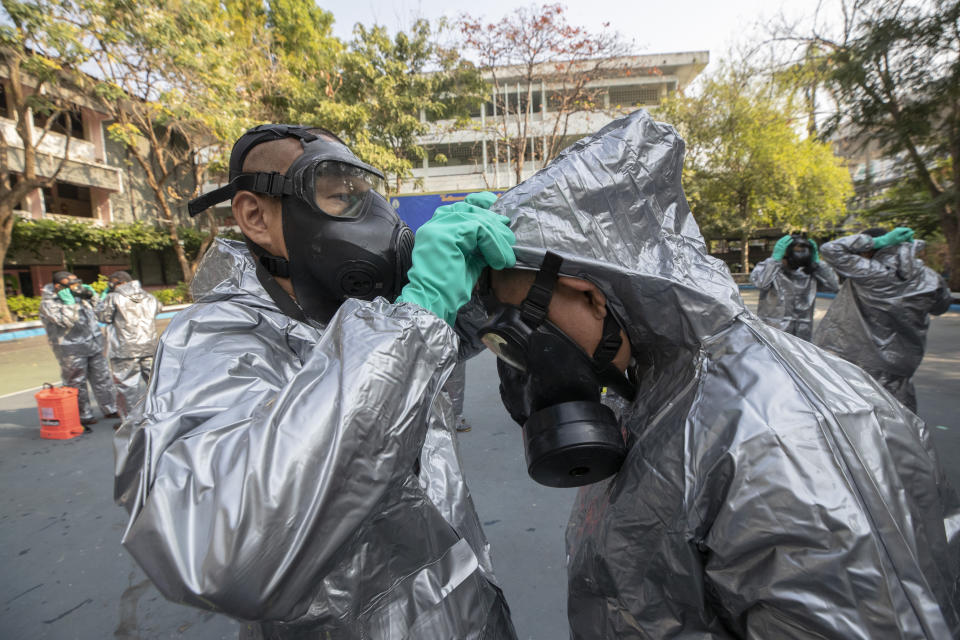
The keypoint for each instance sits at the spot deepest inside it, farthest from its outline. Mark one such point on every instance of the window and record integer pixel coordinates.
(456, 154)
(632, 95)
(4, 110)
(68, 199)
(60, 124)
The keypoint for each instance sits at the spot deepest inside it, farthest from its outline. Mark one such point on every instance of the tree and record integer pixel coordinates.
(894, 71)
(395, 80)
(746, 166)
(40, 56)
(165, 72)
(535, 50)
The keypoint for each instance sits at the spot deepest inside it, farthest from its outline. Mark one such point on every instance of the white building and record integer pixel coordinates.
(476, 159)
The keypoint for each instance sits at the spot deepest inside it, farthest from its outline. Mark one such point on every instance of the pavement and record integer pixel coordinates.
(66, 576)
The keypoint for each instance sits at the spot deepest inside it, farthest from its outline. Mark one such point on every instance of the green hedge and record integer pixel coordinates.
(24, 307)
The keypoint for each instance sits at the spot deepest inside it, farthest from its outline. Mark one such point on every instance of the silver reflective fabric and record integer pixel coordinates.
(771, 490)
(77, 343)
(880, 317)
(130, 315)
(305, 478)
(787, 296)
(71, 328)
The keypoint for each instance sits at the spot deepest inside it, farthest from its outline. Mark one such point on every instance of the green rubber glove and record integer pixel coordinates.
(450, 252)
(780, 249)
(898, 235)
(67, 296)
(815, 256)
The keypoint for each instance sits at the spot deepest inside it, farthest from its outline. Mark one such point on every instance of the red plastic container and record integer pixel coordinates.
(59, 412)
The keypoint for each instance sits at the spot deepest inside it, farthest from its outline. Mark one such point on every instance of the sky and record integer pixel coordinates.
(653, 26)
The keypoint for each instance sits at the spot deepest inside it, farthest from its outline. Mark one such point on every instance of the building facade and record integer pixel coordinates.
(475, 157)
(98, 184)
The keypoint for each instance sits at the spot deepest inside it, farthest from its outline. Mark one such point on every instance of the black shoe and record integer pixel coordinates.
(86, 421)
(87, 429)
(108, 416)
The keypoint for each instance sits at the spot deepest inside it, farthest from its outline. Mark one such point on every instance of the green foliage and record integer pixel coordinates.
(100, 285)
(72, 236)
(747, 167)
(894, 73)
(391, 81)
(24, 307)
(177, 295)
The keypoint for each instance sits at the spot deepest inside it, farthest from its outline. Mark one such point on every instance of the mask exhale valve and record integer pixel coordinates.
(551, 387)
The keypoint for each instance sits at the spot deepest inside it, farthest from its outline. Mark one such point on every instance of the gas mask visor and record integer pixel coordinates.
(338, 189)
(552, 388)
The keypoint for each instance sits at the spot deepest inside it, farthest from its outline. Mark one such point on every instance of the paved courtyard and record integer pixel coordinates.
(65, 575)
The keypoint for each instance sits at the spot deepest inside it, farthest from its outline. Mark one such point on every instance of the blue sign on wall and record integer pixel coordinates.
(415, 209)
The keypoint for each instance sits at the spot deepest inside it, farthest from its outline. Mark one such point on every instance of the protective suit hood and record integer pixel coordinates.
(613, 207)
(132, 290)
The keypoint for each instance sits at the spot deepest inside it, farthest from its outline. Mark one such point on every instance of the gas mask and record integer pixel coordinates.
(552, 388)
(800, 254)
(343, 238)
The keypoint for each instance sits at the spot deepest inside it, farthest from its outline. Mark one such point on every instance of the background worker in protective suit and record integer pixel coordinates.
(68, 313)
(880, 317)
(764, 488)
(130, 315)
(788, 282)
(293, 462)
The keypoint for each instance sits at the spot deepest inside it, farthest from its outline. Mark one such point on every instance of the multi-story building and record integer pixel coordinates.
(473, 159)
(476, 158)
(97, 184)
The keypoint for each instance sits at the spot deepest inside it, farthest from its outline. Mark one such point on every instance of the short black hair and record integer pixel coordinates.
(120, 276)
(876, 232)
(60, 275)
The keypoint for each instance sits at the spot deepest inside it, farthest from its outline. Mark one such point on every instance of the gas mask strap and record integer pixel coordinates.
(275, 265)
(610, 341)
(534, 308)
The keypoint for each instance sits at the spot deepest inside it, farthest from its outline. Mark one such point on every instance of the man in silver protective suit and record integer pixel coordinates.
(68, 314)
(880, 317)
(737, 482)
(129, 314)
(293, 463)
(788, 282)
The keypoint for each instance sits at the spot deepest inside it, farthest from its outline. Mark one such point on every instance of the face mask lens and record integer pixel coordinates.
(503, 350)
(340, 189)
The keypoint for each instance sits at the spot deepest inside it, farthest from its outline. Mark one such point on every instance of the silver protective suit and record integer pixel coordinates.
(788, 296)
(771, 490)
(77, 343)
(129, 314)
(880, 317)
(305, 477)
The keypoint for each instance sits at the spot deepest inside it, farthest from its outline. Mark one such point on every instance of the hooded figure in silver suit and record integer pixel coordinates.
(303, 474)
(129, 314)
(68, 314)
(768, 489)
(880, 317)
(788, 285)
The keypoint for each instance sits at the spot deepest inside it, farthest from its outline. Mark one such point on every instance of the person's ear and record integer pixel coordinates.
(594, 297)
(250, 214)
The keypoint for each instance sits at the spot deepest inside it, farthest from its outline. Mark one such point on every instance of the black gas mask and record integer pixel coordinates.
(552, 388)
(343, 237)
(800, 254)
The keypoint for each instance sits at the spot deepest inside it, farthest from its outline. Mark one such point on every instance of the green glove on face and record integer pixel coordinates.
(780, 249)
(898, 235)
(815, 255)
(450, 252)
(67, 296)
